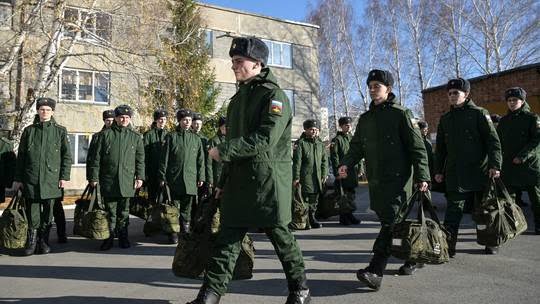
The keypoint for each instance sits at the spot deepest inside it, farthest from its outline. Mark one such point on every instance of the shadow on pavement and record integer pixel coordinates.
(82, 300)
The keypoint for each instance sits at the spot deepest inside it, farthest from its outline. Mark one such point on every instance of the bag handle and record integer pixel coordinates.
(499, 183)
(406, 208)
(164, 195)
(427, 205)
(16, 203)
(94, 197)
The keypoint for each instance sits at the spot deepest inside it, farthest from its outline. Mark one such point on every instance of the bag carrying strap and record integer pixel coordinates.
(94, 198)
(87, 192)
(492, 191)
(17, 203)
(424, 205)
(164, 195)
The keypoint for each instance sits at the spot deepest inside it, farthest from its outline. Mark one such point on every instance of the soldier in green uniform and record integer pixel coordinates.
(395, 157)
(8, 163)
(519, 131)
(117, 165)
(182, 166)
(43, 168)
(257, 175)
(214, 142)
(338, 149)
(108, 120)
(154, 145)
(468, 152)
(203, 191)
(424, 130)
(310, 168)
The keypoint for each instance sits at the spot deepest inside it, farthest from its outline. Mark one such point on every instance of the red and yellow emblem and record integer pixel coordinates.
(276, 107)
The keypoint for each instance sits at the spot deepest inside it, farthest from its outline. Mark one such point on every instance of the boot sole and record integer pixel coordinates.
(367, 282)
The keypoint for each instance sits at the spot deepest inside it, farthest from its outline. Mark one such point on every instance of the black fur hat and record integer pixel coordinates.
(250, 47)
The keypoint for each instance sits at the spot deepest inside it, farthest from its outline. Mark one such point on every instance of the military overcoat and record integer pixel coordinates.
(310, 164)
(338, 149)
(7, 166)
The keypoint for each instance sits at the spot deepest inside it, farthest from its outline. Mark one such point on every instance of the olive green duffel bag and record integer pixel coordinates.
(90, 220)
(14, 224)
(420, 240)
(163, 216)
(299, 210)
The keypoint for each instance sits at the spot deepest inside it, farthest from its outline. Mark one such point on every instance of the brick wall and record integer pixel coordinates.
(488, 92)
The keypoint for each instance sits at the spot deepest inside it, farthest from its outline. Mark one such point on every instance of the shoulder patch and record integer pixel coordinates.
(488, 118)
(276, 107)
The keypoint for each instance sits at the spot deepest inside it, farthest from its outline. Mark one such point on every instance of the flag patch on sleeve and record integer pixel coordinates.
(276, 107)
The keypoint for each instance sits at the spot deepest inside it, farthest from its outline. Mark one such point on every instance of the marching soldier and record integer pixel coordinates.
(468, 151)
(8, 162)
(338, 150)
(154, 144)
(108, 120)
(310, 168)
(395, 157)
(117, 164)
(43, 168)
(519, 131)
(256, 187)
(182, 167)
(214, 142)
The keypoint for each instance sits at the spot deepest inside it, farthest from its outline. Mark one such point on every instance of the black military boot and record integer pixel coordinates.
(206, 296)
(31, 243)
(108, 243)
(299, 293)
(344, 219)
(409, 268)
(313, 223)
(353, 219)
(373, 274)
(491, 250)
(43, 241)
(173, 238)
(123, 240)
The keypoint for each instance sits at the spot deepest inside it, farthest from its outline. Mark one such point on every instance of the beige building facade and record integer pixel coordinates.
(87, 84)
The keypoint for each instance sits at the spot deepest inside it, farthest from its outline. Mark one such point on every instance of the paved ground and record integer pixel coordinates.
(78, 273)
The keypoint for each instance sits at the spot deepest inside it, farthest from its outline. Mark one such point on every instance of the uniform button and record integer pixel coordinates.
(253, 177)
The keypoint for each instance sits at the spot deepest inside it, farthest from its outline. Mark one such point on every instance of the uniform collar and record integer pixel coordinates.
(390, 101)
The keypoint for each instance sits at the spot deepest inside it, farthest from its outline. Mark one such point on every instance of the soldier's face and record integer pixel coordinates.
(311, 132)
(245, 68)
(108, 122)
(197, 126)
(122, 120)
(185, 123)
(456, 97)
(161, 122)
(45, 113)
(514, 103)
(346, 128)
(378, 91)
(424, 131)
(223, 129)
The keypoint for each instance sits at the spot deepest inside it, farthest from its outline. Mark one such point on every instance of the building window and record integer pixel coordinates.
(290, 96)
(96, 26)
(280, 54)
(209, 41)
(5, 14)
(79, 144)
(84, 86)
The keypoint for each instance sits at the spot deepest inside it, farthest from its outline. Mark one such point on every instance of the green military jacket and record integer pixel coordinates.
(338, 149)
(182, 164)
(467, 147)
(310, 164)
(215, 165)
(519, 132)
(116, 161)
(154, 147)
(207, 161)
(394, 152)
(8, 164)
(44, 159)
(257, 174)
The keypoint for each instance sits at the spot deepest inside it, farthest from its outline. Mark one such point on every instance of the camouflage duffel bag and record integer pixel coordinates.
(498, 218)
(243, 270)
(299, 210)
(91, 221)
(139, 205)
(14, 224)
(163, 217)
(345, 202)
(420, 240)
(191, 255)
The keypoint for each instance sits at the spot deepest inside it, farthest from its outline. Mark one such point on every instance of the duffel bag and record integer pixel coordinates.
(163, 216)
(328, 204)
(420, 240)
(93, 223)
(498, 218)
(299, 210)
(14, 224)
(81, 206)
(139, 205)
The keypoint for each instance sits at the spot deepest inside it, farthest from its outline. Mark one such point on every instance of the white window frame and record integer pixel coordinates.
(60, 84)
(75, 155)
(291, 100)
(93, 37)
(271, 44)
(210, 47)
